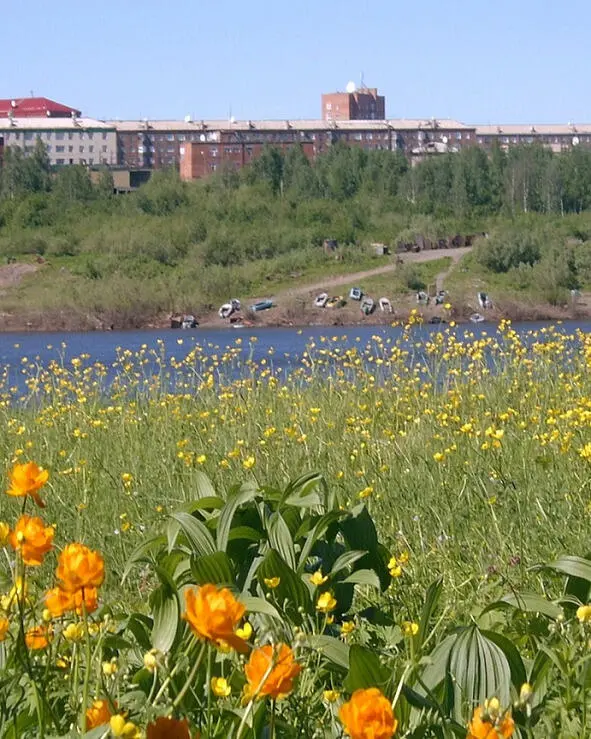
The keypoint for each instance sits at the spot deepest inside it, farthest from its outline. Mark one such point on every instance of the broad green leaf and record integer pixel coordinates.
(141, 628)
(203, 486)
(518, 672)
(165, 608)
(436, 665)
(478, 670)
(359, 530)
(572, 566)
(244, 495)
(197, 533)
(259, 605)
(318, 531)
(302, 486)
(346, 560)
(291, 593)
(141, 552)
(533, 603)
(212, 568)
(280, 539)
(365, 669)
(244, 532)
(335, 650)
(431, 602)
(363, 577)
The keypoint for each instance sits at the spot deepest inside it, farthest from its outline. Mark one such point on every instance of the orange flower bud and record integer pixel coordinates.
(32, 538)
(98, 714)
(27, 479)
(485, 725)
(213, 614)
(271, 672)
(368, 715)
(168, 728)
(80, 567)
(37, 637)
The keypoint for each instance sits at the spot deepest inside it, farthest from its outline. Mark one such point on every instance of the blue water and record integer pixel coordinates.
(288, 344)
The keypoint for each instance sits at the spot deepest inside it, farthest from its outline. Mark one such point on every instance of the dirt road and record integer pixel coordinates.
(408, 258)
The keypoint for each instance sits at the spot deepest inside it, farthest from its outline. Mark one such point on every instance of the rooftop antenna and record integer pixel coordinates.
(362, 81)
(32, 93)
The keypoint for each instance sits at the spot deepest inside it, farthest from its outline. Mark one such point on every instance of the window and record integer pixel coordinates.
(61, 161)
(81, 149)
(48, 135)
(458, 136)
(48, 148)
(181, 137)
(91, 160)
(28, 136)
(59, 149)
(71, 161)
(59, 136)
(104, 136)
(70, 149)
(170, 137)
(70, 135)
(104, 148)
(91, 149)
(90, 135)
(328, 106)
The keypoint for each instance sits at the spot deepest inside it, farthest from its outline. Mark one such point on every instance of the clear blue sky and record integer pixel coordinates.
(479, 61)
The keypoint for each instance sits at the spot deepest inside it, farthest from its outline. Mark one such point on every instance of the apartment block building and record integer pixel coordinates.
(354, 105)
(557, 137)
(68, 140)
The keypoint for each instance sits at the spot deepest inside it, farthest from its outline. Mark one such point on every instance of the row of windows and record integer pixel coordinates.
(57, 135)
(59, 162)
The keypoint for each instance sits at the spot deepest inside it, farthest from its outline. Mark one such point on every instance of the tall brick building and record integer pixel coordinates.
(354, 105)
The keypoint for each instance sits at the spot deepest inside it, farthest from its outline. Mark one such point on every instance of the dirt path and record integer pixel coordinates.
(12, 274)
(422, 256)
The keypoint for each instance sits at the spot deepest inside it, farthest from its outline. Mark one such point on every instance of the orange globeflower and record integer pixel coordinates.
(213, 614)
(27, 479)
(271, 671)
(32, 538)
(168, 728)
(98, 714)
(37, 637)
(59, 601)
(80, 567)
(489, 724)
(368, 715)
(4, 626)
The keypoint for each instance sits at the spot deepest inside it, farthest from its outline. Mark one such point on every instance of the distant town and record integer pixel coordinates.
(198, 148)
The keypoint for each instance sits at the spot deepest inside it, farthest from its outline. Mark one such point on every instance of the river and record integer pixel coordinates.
(285, 345)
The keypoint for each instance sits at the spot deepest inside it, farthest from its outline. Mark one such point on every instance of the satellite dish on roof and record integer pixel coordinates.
(351, 87)
(232, 119)
(187, 119)
(444, 139)
(13, 103)
(576, 141)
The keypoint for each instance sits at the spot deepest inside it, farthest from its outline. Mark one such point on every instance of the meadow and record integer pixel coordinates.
(403, 524)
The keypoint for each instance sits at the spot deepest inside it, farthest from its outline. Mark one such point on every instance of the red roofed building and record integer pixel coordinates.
(35, 108)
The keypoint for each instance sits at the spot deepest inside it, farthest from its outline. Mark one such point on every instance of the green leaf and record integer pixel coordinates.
(359, 530)
(436, 665)
(141, 552)
(431, 602)
(346, 560)
(365, 669)
(319, 530)
(572, 566)
(280, 539)
(478, 670)
(203, 486)
(246, 533)
(141, 627)
(335, 650)
(244, 495)
(363, 577)
(166, 612)
(260, 605)
(302, 487)
(197, 533)
(529, 602)
(518, 672)
(291, 593)
(212, 568)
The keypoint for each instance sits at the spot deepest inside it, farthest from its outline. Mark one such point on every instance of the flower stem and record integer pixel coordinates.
(87, 666)
(191, 677)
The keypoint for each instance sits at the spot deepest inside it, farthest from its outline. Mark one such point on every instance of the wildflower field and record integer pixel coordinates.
(390, 540)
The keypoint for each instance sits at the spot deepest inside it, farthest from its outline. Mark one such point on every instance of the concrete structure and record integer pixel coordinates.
(210, 146)
(68, 140)
(557, 137)
(357, 105)
(35, 108)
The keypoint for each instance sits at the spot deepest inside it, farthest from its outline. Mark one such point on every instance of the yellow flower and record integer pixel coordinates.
(126, 729)
(410, 628)
(201, 459)
(439, 456)
(248, 463)
(330, 696)
(151, 660)
(272, 582)
(584, 613)
(220, 687)
(347, 627)
(74, 632)
(366, 492)
(110, 668)
(326, 602)
(245, 631)
(318, 578)
(4, 533)
(4, 626)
